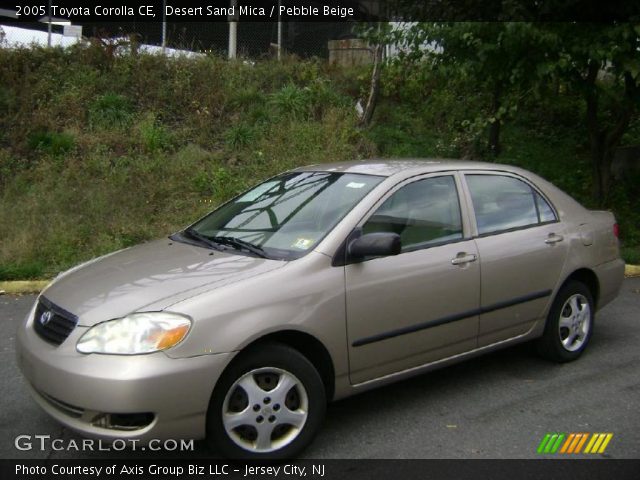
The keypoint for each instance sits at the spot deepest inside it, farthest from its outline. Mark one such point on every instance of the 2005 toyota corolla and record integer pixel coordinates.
(315, 285)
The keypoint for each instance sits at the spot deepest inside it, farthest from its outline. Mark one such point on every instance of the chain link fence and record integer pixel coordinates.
(254, 39)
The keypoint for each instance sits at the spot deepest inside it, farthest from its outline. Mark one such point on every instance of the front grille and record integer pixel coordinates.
(52, 323)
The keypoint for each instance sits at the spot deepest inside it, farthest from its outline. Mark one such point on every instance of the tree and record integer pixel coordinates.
(498, 57)
(377, 35)
(601, 62)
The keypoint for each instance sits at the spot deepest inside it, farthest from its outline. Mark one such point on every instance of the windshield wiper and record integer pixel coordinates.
(239, 244)
(193, 234)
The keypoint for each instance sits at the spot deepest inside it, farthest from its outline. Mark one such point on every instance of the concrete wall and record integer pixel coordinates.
(350, 52)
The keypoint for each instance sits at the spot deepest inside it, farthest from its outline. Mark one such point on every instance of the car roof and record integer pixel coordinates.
(393, 166)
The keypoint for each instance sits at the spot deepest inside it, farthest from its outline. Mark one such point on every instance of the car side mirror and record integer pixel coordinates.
(380, 244)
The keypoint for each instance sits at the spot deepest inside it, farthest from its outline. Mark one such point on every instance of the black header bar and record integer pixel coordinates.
(79, 11)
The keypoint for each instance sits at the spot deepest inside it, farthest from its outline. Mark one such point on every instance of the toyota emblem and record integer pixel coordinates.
(46, 317)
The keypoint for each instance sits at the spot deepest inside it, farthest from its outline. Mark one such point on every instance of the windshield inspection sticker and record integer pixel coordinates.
(302, 243)
(355, 185)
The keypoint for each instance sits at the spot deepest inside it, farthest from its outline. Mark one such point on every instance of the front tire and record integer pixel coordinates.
(269, 403)
(569, 324)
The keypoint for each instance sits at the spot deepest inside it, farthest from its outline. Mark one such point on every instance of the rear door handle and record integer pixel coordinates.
(553, 238)
(463, 258)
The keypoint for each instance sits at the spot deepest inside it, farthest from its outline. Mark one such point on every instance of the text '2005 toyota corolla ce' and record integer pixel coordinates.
(315, 285)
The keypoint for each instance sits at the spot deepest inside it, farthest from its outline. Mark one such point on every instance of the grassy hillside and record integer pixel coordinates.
(100, 151)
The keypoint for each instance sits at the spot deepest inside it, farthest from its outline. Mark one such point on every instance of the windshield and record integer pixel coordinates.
(285, 216)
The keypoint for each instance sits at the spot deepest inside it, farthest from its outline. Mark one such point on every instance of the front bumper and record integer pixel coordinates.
(171, 395)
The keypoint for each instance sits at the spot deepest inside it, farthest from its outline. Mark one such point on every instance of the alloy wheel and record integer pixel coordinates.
(575, 322)
(265, 409)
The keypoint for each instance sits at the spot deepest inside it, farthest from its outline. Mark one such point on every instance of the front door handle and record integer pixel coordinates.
(553, 238)
(463, 258)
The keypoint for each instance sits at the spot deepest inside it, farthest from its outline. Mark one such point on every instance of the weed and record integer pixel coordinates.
(291, 101)
(153, 135)
(53, 143)
(111, 110)
(240, 136)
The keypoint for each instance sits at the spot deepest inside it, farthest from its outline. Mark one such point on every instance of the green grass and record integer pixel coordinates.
(111, 110)
(22, 271)
(631, 255)
(100, 152)
(145, 145)
(52, 143)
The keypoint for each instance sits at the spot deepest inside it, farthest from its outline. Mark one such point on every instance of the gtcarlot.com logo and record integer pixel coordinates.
(574, 443)
(45, 443)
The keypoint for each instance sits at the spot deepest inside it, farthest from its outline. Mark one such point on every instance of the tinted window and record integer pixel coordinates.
(503, 203)
(422, 213)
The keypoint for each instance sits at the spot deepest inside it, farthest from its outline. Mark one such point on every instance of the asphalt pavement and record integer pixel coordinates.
(497, 406)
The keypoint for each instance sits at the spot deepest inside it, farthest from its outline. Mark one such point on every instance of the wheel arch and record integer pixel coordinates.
(587, 277)
(309, 346)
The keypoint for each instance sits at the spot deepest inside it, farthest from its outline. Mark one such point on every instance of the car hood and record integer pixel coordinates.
(129, 280)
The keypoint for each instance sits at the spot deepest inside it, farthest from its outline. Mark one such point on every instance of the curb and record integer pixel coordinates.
(632, 271)
(21, 287)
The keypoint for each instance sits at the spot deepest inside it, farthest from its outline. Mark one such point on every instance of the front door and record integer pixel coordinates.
(421, 305)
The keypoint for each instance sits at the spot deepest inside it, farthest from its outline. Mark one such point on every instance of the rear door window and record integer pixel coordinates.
(504, 203)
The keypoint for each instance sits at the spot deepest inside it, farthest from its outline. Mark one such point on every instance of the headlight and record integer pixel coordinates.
(136, 333)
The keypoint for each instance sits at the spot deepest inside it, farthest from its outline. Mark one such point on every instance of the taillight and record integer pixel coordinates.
(616, 230)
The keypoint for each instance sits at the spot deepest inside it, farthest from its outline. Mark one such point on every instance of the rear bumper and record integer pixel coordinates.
(610, 276)
(78, 390)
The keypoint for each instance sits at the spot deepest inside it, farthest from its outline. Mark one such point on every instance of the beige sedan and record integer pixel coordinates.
(317, 284)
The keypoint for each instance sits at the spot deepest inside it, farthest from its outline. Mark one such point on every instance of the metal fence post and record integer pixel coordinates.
(49, 25)
(233, 30)
(164, 26)
(279, 32)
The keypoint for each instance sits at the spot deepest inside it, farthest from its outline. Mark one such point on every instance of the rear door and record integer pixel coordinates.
(522, 251)
(421, 305)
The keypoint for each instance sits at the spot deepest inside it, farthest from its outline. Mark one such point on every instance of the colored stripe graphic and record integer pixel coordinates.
(565, 447)
(543, 443)
(604, 445)
(555, 447)
(573, 443)
(551, 442)
(598, 442)
(581, 443)
(594, 437)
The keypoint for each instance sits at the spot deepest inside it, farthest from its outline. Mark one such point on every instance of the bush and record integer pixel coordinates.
(240, 135)
(291, 101)
(153, 135)
(111, 111)
(53, 143)
(5, 100)
(631, 255)
(22, 271)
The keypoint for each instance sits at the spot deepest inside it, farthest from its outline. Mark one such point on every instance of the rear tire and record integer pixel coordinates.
(269, 403)
(569, 324)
